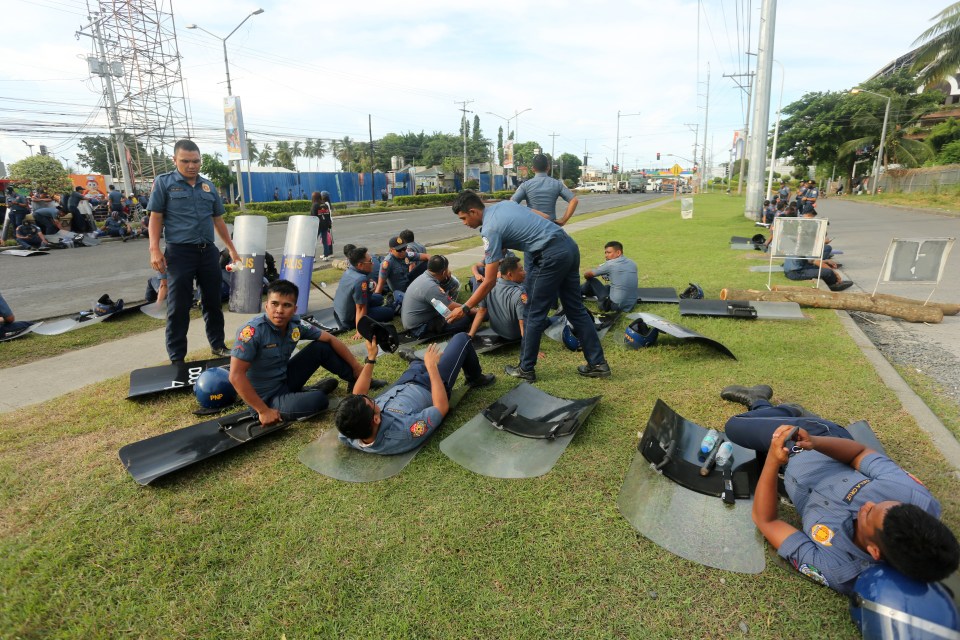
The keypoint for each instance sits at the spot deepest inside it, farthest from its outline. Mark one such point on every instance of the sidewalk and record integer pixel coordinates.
(53, 377)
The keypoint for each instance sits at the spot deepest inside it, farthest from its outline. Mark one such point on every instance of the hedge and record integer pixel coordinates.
(445, 198)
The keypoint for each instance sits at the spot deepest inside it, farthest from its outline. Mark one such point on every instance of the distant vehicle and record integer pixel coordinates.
(623, 186)
(638, 184)
(595, 187)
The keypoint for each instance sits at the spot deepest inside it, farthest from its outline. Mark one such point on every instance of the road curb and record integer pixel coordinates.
(942, 438)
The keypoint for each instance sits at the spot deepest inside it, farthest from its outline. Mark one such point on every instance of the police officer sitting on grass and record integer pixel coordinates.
(858, 507)
(621, 294)
(404, 416)
(355, 296)
(268, 379)
(506, 305)
(418, 314)
(393, 268)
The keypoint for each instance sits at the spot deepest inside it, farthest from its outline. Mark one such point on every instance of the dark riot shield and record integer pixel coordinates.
(692, 525)
(665, 295)
(677, 331)
(742, 309)
(167, 377)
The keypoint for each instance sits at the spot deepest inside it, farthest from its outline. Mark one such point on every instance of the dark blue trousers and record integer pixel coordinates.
(754, 429)
(458, 355)
(186, 264)
(554, 272)
(810, 273)
(291, 401)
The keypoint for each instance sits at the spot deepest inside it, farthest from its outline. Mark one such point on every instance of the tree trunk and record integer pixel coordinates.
(947, 308)
(849, 302)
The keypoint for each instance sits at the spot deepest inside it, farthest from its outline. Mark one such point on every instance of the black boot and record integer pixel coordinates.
(746, 395)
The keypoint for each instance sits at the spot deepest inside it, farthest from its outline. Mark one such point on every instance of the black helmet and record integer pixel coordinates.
(693, 292)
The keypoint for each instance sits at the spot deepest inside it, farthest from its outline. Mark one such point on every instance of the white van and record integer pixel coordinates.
(595, 187)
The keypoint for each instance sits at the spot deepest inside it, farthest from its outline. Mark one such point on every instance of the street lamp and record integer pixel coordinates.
(883, 135)
(29, 145)
(226, 64)
(516, 115)
(619, 115)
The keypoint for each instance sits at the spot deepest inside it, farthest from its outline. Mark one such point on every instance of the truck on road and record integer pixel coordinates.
(637, 184)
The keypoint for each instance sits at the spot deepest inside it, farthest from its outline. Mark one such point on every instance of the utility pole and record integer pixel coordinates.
(104, 69)
(463, 126)
(746, 126)
(761, 108)
(695, 127)
(704, 171)
(553, 146)
(373, 198)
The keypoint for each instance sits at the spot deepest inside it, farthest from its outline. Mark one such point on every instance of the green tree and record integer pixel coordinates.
(41, 172)
(950, 153)
(571, 166)
(944, 133)
(283, 156)
(938, 57)
(254, 153)
(265, 158)
(216, 170)
(477, 135)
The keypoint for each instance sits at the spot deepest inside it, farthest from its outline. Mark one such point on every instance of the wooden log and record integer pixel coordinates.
(949, 309)
(848, 302)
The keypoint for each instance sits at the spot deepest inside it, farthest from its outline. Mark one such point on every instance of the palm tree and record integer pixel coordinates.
(335, 150)
(297, 150)
(346, 153)
(898, 149)
(283, 156)
(265, 157)
(938, 57)
(318, 150)
(253, 153)
(309, 152)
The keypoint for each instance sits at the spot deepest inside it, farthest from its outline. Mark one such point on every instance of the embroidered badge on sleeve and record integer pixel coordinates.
(246, 334)
(418, 428)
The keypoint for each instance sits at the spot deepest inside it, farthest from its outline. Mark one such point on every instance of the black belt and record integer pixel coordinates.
(201, 245)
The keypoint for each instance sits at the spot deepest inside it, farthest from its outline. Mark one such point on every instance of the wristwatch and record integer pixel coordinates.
(369, 361)
(466, 308)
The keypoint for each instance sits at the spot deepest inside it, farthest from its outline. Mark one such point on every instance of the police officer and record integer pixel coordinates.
(186, 208)
(17, 208)
(541, 192)
(115, 198)
(30, 237)
(403, 417)
(393, 268)
(418, 315)
(506, 306)
(809, 200)
(264, 374)
(621, 294)
(555, 271)
(858, 507)
(416, 252)
(355, 297)
(78, 223)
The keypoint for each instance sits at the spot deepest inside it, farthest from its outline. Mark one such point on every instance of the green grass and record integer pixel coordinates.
(255, 544)
(934, 396)
(944, 202)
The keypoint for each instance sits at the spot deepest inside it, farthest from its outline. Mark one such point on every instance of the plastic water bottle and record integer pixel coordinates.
(234, 266)
(440, 307)
(709, 441)
(725, 454)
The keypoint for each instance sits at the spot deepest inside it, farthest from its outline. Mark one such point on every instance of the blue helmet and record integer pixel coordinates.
(105, 306)
(570, 339)
(694, 292)
(213, 389)
(887, 604)
(639, 334)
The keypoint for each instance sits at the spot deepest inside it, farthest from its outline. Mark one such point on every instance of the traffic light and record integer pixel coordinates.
(616, 168)
(658, 155)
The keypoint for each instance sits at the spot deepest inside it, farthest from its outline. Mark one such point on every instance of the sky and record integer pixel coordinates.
(317, 69)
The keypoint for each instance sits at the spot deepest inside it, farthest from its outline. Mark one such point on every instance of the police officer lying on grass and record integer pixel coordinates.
(268, 379)
(858, 507)
(404, 416)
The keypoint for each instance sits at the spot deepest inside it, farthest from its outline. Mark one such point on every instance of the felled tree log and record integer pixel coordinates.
(846, 301)
(948, 309)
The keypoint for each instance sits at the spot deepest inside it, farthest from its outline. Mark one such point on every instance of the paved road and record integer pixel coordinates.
(71, 280)
(864, 232)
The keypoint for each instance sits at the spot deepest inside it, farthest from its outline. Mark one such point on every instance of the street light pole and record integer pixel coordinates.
(616, 154)
(883, 136)
(226, 64)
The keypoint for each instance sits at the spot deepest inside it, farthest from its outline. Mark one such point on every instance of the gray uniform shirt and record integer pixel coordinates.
(622, 273)
(505, 308)
(541, 193)
(416, 309)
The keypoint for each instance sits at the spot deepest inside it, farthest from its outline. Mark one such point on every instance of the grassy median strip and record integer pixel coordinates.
(253, 543)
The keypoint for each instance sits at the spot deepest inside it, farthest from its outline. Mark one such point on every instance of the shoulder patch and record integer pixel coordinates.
(822, 534)
(363, 285)
(523, 298)
(813, 573)
(246, 334)
(418, 428)
(486, 243)
(916, 479)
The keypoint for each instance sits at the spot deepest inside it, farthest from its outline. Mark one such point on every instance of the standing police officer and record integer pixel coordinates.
(554, 271)
(186, 208)
(541, 192)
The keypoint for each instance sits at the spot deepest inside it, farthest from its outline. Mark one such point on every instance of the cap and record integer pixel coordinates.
(397, 243)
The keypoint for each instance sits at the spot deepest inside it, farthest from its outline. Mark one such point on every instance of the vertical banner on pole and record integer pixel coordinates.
(299, 251)
(236, 136)
(246, 285)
